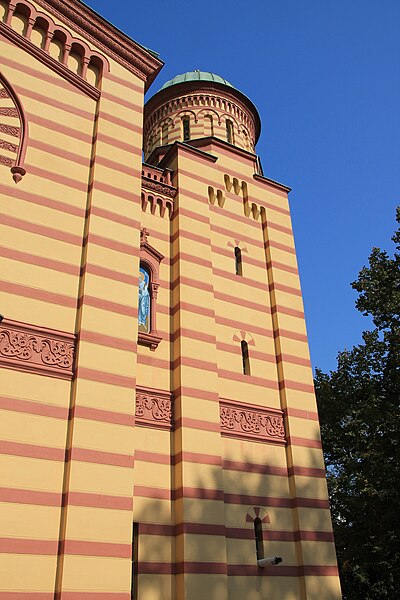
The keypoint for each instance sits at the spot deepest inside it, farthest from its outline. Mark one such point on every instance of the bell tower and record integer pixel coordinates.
(247, 475)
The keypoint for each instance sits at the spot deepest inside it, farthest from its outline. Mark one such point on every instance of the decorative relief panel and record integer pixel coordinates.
(251, 422)
(153, 408)
(36, 349)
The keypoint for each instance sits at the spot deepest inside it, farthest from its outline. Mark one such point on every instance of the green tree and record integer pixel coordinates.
(360, 428)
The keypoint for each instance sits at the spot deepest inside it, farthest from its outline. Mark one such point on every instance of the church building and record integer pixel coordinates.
(158, 423)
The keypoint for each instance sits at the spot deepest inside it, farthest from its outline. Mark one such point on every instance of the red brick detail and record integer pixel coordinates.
(23, 496)
(28, 546)
(100, 457)
(31, 451)
(27, 596)
(87, 596)
(86, 548)
(98, 500)
(105, 377)
(33, 408)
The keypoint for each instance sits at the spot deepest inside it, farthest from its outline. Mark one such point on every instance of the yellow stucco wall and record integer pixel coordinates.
(77, 469)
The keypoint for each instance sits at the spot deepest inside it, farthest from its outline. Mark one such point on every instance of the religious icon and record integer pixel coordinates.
(144, 300)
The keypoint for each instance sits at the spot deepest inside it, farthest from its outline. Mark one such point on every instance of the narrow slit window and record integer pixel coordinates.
(229, 132)
(208, 125)
(134, 580)
(164, 134)
(245, 358)
(258, 534)
(238, 261)
(186, 129)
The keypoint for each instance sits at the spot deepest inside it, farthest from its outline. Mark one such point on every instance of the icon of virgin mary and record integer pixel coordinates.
(144, 301)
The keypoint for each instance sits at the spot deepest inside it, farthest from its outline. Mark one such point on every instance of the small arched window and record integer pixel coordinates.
(208, 125)
(229, 132)
(245, 357)
(164, 134)
(238, 261)
(258, 534)
(186, 129)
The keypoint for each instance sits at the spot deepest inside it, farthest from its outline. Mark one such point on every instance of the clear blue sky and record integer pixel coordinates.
(325, 77)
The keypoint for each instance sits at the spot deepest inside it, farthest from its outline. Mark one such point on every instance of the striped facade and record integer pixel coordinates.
(134, 465)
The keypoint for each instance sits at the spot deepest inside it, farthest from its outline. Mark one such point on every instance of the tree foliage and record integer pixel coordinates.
(360, 428)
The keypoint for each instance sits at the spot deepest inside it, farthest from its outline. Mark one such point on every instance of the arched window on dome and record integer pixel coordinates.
(229, 132)
(186, 129)
(164, 134)
(208, 126)
(245, 357)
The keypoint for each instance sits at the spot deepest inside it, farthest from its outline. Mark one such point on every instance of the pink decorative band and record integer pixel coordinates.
(36, 349)
(153, 408)
(251, 422)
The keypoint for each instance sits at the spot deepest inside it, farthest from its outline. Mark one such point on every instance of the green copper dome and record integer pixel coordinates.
(196, 76)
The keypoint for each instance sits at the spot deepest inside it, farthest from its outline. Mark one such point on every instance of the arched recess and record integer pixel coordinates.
(13, 130)
(237, 256)
(150, 260)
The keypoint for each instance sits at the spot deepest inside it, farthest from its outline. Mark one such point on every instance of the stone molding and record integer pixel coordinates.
(34, 349)
(153, 408)
(249, 422)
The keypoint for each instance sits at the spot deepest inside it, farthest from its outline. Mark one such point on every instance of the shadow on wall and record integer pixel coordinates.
(214, 525)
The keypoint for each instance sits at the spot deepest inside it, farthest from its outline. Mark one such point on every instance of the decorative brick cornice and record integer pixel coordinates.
(49, 61)
(153, 408)
(249, 422)
(26, 347)
(107, 38)
(159, 188)
(271, 182)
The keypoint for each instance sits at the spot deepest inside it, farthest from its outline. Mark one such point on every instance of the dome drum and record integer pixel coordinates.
(194, 108)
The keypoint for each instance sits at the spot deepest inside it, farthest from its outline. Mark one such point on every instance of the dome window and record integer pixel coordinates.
(229, 132)
(186, 129)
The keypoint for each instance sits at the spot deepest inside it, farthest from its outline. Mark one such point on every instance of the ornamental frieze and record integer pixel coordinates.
(153, 408)
(158, 187)
(36, 349)
(251, 422)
